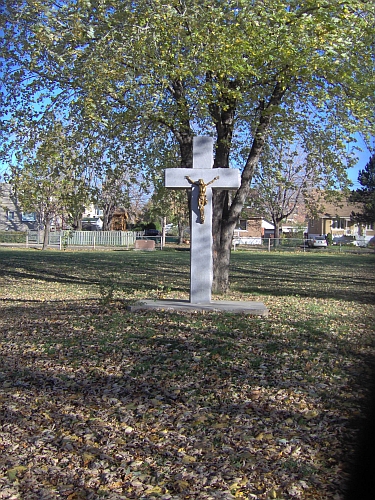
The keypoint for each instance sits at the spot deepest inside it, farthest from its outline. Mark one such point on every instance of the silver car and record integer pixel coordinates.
(317, 242)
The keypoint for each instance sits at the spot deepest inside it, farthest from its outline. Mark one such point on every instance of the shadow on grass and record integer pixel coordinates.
(130, 270)
(362, 466)
(341, 277)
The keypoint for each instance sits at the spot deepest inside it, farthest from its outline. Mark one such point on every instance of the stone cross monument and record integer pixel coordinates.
(201, 179)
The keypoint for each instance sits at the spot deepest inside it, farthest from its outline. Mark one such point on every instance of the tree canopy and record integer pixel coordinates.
(236, 70)
(193, 67)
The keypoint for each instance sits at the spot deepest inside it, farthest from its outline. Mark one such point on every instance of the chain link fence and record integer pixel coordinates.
(294, 245)
(126, 239)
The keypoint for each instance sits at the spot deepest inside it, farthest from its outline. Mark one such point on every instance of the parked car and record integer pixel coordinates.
(317, 242)
(345, 240)
(152, 232)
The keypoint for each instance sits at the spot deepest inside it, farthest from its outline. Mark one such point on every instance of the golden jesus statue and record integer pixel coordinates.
(202, 197)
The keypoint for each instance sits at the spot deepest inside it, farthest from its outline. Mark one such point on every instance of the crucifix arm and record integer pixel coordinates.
(189, 180)
(213, 180)
(200, 182)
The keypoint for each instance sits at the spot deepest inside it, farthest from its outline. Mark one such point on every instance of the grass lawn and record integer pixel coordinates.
(98, 403)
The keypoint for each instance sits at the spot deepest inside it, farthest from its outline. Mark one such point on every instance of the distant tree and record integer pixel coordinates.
(366, 194)
(283, 179)
(47, 181)
(112, 192)
(173, 205)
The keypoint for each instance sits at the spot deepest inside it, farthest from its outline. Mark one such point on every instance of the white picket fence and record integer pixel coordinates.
(64, 239)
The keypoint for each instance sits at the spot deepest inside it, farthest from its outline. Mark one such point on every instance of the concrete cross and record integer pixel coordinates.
(201, 179)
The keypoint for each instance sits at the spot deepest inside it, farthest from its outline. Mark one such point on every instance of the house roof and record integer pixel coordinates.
(342, 208)
(267, 225)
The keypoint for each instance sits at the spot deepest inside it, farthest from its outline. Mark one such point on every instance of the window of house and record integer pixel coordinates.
(242, 224)
(28, 217)
(339, 223)
(370, 226)
(10, 215)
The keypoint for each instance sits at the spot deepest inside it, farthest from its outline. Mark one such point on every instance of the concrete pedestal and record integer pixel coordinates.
(228, 306)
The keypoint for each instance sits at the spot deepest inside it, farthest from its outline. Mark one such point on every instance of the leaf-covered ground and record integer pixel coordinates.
(97, 402)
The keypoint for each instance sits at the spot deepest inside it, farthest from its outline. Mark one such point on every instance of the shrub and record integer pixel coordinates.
(12, 236)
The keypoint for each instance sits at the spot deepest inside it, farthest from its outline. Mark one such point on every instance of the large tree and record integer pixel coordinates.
(366, 194)
(233, 69)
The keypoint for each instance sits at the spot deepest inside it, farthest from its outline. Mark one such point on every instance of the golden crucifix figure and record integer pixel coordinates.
(202, 197)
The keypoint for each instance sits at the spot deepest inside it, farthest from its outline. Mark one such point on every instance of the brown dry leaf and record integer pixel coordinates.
(187, 459)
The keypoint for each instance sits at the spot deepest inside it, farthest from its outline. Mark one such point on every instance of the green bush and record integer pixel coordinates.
(12, 237)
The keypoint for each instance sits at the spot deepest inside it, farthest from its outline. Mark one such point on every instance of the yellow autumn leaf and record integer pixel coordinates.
(13, 472)
(155, 490)
(181, 485)
(220, 426)
(200, 420)
(87, 458)
(311, 414)
(272, 493)
(264, 435)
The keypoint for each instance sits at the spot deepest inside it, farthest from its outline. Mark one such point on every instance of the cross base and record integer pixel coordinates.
(227, 306)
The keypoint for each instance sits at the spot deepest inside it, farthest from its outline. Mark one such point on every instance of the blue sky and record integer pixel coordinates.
(364, 157)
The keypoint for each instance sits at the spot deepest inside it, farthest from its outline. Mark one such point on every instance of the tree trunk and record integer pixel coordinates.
(225, 217)
(77, 223)
(183, 133)
(276, 231)
(186, 149)
(180, 232)
(107, 216)
(47, 228)
(222, 245)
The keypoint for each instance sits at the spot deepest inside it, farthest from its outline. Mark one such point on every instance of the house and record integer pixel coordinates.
(92, 212)
(335, 219)
(12, 218)
(256, 220)
(251, 230)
